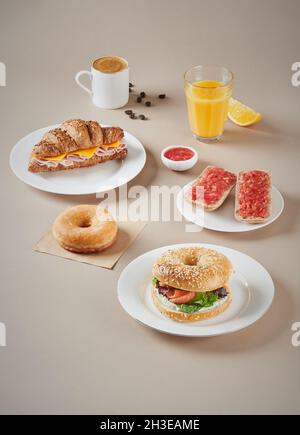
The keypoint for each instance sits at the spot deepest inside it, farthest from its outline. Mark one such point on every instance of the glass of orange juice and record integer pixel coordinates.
(207, 90)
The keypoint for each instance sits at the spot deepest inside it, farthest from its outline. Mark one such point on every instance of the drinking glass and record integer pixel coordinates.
(207, 90)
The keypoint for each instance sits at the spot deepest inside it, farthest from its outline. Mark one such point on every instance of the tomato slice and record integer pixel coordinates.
(170, 294)
(178, 293)
(182, 297)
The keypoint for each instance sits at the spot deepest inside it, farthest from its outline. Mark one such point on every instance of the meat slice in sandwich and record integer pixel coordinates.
(191, 284)
(77, 144)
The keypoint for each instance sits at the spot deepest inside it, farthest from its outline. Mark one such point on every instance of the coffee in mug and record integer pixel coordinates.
(110, 64)
(109, 82)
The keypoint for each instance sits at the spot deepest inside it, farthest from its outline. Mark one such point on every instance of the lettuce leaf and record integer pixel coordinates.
(154, 281)
(206, 299)
(202, 300)
(188, 308)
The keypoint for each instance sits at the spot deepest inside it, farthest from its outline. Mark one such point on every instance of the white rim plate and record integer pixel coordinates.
(95, 179)
(223, 219)
(252, 290)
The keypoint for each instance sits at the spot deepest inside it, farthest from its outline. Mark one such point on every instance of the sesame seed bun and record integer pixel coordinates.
(193, 269)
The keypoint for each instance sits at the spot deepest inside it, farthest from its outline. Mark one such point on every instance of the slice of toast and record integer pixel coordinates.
(217, 204)
(252, 219)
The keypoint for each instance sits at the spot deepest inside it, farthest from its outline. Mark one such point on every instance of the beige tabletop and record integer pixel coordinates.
(70, 346)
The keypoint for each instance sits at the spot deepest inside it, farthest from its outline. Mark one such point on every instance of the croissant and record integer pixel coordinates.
(77, 143)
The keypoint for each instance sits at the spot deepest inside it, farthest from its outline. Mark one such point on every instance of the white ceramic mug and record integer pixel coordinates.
(109, 90)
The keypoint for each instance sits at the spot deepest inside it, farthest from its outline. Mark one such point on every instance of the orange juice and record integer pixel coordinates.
(207, 102)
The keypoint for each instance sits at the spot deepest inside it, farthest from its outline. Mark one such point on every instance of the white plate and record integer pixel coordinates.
(252, 291)
(223, 218)
(95, 179)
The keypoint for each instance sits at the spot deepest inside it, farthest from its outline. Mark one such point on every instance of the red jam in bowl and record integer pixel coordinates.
(178, 154)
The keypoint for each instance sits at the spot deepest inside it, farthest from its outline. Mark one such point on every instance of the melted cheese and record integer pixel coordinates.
(112, 145)
(86, 153)
(52, 159)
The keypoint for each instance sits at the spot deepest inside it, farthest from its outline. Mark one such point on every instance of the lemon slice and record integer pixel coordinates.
(241, 114)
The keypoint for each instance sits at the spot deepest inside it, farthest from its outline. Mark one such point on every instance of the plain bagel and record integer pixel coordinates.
(193, 269)
(85, 229)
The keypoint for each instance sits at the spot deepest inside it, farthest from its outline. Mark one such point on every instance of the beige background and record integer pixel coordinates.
(70, 346)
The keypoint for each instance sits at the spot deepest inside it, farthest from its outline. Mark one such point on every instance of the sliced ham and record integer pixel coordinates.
(48, 163)
(75, 158)
(110, 151)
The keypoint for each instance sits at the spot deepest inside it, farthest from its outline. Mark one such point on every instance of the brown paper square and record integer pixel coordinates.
(128, 231)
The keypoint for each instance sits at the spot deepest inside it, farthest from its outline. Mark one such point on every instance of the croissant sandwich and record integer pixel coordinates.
(77, 144)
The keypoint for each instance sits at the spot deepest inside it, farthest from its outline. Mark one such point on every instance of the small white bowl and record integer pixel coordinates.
(179, 165)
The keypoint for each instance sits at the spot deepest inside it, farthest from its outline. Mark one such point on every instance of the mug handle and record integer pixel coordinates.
(78, 75)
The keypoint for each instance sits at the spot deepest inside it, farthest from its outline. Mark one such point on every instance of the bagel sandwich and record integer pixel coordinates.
(190, 284)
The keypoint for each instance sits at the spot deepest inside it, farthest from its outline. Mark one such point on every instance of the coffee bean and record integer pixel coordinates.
(162, 96)
(148, 103)
(128, 112)
(142, 94)
(139, 100)
(143, 117)
(132, 116)
(131, 85)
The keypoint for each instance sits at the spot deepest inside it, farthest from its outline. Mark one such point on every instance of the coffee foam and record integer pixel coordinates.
(110, 64)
